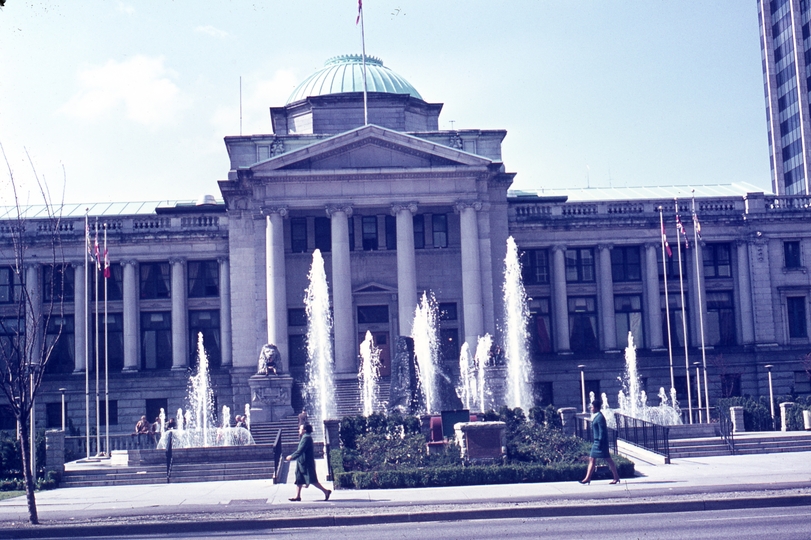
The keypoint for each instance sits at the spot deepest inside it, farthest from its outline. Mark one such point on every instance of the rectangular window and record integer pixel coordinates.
(53, 415)
(419, 231)
(113, 406)
(592, 389)
(542, 393)
(540, 326)
(579, 265)
(12, 335)
(671, 266)
(156, 340)
(153, 409)
(155, 281)
(204, 279)
(351, 225)
(440, 230)
(206, 322)
(115, 284)
(720, 318)
(369, 225)
(791, 250)
(391, 232)
(298, 235)
(730, 385)
(628, 314)
(797, 325)
(583, 324)
(626, 264)
(10, 285)
(676, 320)
(373, 314)
(115, 342)
(447, 311)
(717, 261)
(535, 266)
(296, 317)
(298, 351)
(802, 383)
(60, 335)
(323, 234)
(58, 282)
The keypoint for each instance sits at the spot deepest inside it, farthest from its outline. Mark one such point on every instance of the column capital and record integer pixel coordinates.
(605, 246)
(268, 210)
(222, 259)
(397, 207)
(742, 242)
(652, 245)
(559, 247)
(177, 260)
(129, 262)
(462, 205)
(333, 208)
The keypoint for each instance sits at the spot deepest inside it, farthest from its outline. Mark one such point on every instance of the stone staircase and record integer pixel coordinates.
(745, 443)
(265, 433)
(156, 474)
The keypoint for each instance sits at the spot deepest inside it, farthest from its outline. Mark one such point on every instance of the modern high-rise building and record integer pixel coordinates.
(785, 43)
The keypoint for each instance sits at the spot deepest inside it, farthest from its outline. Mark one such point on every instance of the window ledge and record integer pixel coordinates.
(795, 269)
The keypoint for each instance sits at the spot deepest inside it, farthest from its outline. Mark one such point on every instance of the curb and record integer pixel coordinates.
(132, 529)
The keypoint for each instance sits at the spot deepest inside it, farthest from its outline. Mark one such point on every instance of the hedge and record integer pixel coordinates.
(467, 476)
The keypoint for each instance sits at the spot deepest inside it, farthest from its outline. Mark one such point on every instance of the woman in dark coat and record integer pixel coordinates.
(305, 463)
(600, 447)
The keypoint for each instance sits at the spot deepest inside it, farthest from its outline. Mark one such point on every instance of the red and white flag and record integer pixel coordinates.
(88, 241)
(680, 228)
(664, 242)
(360, 10)
(96, 254)
(106, 264)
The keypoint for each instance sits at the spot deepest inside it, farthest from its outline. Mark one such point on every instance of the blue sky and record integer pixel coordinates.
(132, 99)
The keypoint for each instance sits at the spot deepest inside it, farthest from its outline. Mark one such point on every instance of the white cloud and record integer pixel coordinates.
(211, 31)
(126, 8)
(142, 86)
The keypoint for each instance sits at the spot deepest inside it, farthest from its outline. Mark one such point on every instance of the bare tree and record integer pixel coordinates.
(29, 309)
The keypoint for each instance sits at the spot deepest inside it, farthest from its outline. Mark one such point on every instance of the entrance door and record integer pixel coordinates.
(382, 343)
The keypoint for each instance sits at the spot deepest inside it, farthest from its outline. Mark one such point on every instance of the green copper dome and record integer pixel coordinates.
(345, 74)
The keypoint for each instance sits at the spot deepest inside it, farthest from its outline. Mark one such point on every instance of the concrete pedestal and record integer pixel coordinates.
(785, 410)
(736, 413)
(270, 397)
(568, 417)
(482, 442)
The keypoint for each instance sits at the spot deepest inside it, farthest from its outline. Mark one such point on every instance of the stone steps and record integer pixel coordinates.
(744, 444)
(156, 474)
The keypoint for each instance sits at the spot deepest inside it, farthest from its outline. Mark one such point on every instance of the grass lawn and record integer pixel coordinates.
(10, 494)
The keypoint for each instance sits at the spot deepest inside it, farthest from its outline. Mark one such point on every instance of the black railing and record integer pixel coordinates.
(583, 430)
(647, 435)
(727, 432)
(277, 457)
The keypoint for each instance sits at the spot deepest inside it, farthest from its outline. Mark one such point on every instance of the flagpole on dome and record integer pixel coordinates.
(679, 231)
(363, 58)
(87, 253)
(696, 236)
(666, 252)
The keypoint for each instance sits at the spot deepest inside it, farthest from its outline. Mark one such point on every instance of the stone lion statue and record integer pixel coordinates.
(269, 358)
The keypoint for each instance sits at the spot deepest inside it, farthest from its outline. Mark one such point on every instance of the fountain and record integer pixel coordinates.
(369, 374)
(320, 393)
(196, 428)
(483, 347)
(426, 349)
(516, 314)
(468, 379)
(632, 400)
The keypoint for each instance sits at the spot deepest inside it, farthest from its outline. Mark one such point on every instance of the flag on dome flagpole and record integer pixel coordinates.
(88, 240)
(681, 230)
(107, 272)
(359, 19)
(96, 253)
(360, 10)
(664, 241)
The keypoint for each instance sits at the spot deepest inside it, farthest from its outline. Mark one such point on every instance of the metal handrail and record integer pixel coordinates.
(277, 456)
(727, 433)
(583, 430)
(652, 437)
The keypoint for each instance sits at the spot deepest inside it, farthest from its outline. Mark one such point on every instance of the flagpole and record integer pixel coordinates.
(98, 411)
(667, 301)
(87, 334)
(683, 316)
(106, 351)
(700, 306)
(363, 48)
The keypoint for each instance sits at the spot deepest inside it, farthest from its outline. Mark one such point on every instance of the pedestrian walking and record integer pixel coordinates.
(599, 450)
(305, 464)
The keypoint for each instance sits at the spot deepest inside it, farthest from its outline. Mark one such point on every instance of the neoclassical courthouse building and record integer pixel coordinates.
(397, 207)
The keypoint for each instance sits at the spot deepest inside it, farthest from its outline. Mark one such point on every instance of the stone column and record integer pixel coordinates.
(180, 326)
(406, 265)
(560, 299)
(745, 294)
(472, 307)
(79, 317)
(276, 283)
(34, 285)
(225, 311)
(653, 302)
(132, 360)
(606, 291)
(343, 319)
(695, 277)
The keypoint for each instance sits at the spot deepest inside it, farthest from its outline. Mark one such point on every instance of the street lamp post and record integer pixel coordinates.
(771, 392)
(63, 390)
(583, 386)
(698, 383)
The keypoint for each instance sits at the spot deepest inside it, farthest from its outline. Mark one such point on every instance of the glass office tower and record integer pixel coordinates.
(785, 42)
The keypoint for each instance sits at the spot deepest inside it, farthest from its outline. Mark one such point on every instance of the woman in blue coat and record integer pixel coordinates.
(305, 463)
(600, 447)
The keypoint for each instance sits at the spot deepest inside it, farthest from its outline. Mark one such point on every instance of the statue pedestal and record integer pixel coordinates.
(270, 397)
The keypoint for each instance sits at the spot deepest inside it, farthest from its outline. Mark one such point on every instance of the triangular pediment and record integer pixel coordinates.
(370, 147)
(374, 287)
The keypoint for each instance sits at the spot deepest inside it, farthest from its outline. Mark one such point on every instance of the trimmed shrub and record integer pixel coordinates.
(756, 413)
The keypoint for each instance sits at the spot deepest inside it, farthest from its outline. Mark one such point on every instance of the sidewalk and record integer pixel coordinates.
(782, 479)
